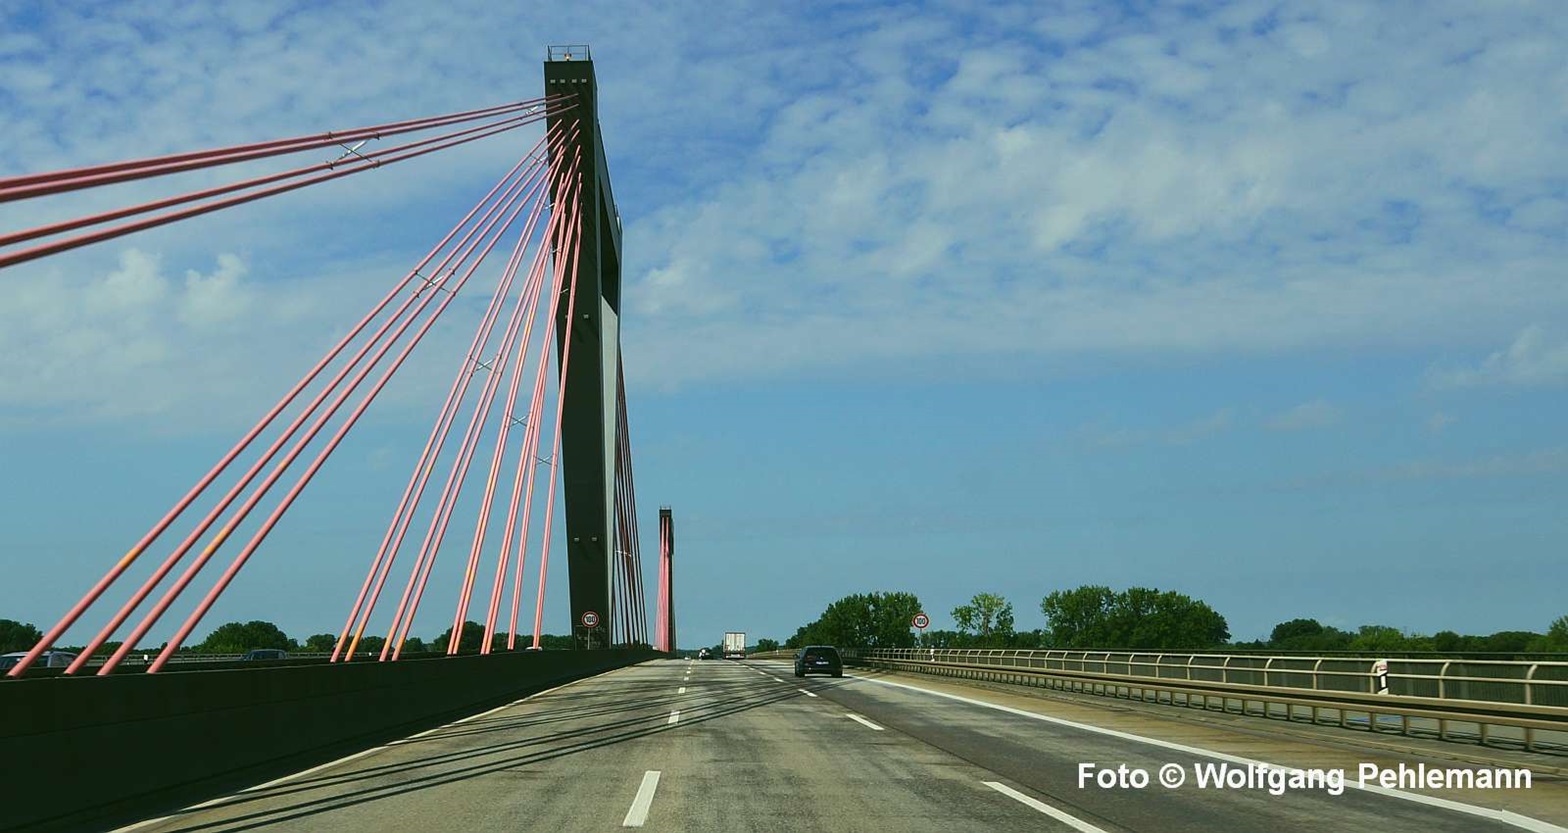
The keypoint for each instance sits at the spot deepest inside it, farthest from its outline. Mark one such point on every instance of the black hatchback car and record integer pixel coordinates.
(819, 659)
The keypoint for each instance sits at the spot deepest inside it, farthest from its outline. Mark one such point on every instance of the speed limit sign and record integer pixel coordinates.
(590, 619)
(921, 621)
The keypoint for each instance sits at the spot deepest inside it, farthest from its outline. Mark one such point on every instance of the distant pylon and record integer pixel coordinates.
(667, 575)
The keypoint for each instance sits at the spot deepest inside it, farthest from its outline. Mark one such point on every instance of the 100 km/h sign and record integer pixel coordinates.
(921, 621)
(590, 619)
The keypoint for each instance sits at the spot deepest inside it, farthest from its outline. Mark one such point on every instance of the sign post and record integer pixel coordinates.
(1380, 676)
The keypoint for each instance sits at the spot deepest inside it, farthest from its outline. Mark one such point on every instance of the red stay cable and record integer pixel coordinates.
(52, 182)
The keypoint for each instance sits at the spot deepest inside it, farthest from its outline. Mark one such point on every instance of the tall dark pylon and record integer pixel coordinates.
(589, 419)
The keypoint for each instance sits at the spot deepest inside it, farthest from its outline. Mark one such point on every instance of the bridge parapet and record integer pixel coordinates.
(129, 746)
(1530, 683)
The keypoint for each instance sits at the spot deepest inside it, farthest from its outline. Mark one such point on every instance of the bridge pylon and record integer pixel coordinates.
(667, 575)
(589, 412)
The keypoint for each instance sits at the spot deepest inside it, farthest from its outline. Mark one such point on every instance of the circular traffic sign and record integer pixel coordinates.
(590, 619)
(921, 621)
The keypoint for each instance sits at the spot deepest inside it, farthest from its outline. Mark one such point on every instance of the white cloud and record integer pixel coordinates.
(1273, 200)
(810, 192)
(1318, 413)
(1534, 358)
(216, 299)
(1439, 422)
(212, 350)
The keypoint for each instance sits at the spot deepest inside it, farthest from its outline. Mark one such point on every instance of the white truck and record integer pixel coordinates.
(734, 645)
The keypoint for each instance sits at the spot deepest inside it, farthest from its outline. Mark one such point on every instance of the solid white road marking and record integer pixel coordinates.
(1505, 816)
(639, 811)
(675, 715)
(1071, 821)
(862, 721)
(805, 692)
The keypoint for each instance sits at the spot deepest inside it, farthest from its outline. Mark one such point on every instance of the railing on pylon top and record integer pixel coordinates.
(571, 52)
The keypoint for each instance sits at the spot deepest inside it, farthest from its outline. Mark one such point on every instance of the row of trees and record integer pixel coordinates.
(1092, 616)
(1088, 617)
(864, 621)
(239, 637)
(1138, 618)
(1312, 635)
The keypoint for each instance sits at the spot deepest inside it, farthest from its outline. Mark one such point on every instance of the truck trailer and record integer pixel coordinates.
(734, 645)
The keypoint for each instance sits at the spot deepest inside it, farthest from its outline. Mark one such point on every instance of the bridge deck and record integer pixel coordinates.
(743, 747)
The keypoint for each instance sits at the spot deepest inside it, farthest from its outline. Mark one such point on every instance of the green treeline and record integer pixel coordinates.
(239, 637)
(1310, 635)
(1138, 618)
(864, 621)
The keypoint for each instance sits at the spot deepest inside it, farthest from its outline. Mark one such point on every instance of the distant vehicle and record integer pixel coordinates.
(47, 659)
(258, 654)
(735, 645)
(703, 654)
(819, 659)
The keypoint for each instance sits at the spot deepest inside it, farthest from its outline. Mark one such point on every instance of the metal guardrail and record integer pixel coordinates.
(1199, 681)
(193, 658)
(1539, 683)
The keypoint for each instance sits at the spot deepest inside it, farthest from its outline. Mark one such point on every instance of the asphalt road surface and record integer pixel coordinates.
(724, 747)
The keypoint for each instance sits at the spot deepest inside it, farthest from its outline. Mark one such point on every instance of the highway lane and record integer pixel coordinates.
(724, 746)
(736, 751)
(1043, 759)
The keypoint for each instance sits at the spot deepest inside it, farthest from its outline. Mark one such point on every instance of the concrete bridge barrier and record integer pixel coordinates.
(96, 752)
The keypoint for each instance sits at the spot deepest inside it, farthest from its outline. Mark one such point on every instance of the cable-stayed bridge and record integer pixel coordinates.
(620, 731)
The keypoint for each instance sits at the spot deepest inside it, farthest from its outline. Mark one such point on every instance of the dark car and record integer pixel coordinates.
(47, 659)
(819, 659)
(264, 654)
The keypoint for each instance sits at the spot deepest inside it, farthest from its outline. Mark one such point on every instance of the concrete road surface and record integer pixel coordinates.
(727, 746)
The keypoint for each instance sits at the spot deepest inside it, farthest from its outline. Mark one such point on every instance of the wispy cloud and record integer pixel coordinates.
(869, 187)
(1438, 423)
(1234, 181)
(1187, 433)
(212, 348)
(1540, 462)
(1318, 413)
(1544, 461)
(1534, 358)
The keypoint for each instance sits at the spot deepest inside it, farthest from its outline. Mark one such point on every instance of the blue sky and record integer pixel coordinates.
(1263, 304)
